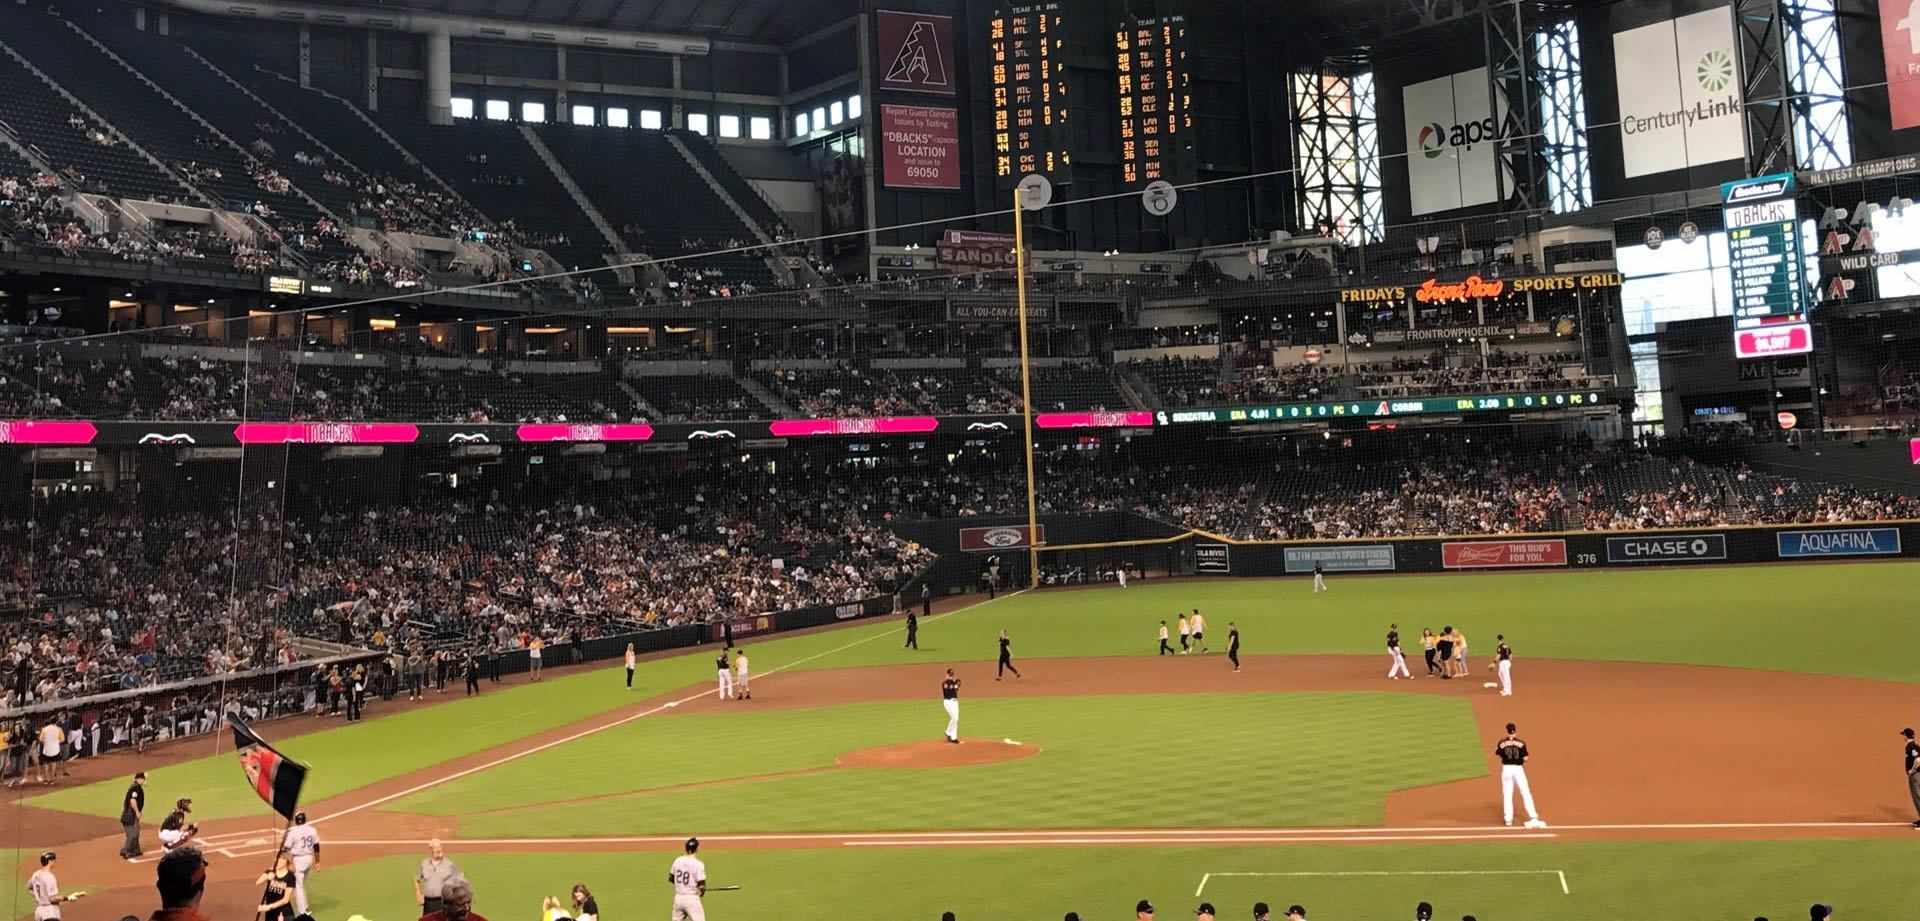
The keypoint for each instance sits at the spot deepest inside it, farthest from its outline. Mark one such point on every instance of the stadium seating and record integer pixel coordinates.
(1072, 388)
(742, 191)
(630, 175)
(846, 391)
(46, 120)
(697, 397)
(1182, 382)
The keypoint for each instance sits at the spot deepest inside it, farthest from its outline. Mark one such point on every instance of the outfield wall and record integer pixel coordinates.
(1197, 553)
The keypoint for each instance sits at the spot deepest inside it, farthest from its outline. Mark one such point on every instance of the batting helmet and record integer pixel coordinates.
(693, 844)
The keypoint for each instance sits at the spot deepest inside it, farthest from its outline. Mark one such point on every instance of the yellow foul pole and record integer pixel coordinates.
(1026, 383)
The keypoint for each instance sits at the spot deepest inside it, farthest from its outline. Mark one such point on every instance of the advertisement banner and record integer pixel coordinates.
(1038, 311)
(1213, 559)
(976, 250)
(916, 52)
(1777, 339)
(1667, 548)
(1679, 90)
(919, 147)
(1451, 132)
(762, 623)
(1563, 326)
(1004, 537)
(1494, 554)
(1363, 558)
(1838, 542)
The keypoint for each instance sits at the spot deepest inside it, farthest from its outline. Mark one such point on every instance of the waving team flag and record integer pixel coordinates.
(274, 776)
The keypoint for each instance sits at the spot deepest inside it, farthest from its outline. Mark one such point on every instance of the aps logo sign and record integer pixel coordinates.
(1435, 138)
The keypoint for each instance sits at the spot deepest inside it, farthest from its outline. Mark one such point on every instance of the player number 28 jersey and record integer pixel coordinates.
(687, 875)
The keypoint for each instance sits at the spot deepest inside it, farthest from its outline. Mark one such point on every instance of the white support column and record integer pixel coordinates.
(439, 78)
(675, 116)
(372, 80)
(562, 111)
(306, 55)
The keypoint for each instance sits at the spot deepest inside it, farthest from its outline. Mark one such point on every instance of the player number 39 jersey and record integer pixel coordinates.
(687, 875)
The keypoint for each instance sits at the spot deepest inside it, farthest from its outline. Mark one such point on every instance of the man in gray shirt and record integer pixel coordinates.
(435, 873)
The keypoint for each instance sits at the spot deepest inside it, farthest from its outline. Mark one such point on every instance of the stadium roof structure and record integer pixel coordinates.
(770, 22)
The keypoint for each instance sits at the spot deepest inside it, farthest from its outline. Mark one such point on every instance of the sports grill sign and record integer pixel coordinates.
(1004, 537)
(1667, 548)
(916, 51)
(1497, 554)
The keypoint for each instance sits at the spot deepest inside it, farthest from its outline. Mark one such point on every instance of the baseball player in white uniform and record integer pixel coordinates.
(725, 674)
(46, 890)
(303, 845)
(741, 688)
(1121, 574)
(689, 878)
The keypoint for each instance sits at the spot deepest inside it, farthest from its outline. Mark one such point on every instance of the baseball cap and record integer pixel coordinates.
(1296, 910)
(1820, 912)
(1259, 908)
(1206, 908)
(1907, 732)
(1072, 916)
(1145, 906)
(46, 857)
(1423, 911)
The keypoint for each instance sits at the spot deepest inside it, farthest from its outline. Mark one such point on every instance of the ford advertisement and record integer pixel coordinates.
(1838, 542)
(1667, 548)
(1362, 558)
(1004, 537)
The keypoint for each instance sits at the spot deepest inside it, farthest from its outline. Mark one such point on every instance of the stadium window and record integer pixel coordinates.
(498, 110)
(819, 119)
(462, 107)
(697, 123)
(760, 128)
(617, 118)
(853, 106)
(650, 119)
(837, 113)
(729, 126)
(533, 112)
(800, 125)
(583, 115)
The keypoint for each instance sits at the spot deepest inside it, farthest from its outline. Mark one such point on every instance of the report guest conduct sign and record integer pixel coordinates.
(919, 147)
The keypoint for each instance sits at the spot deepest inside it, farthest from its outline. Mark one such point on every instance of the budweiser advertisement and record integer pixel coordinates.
(920, 147)
(916, 51)
(1004, 537)
(1900, 46)
(1497, 554)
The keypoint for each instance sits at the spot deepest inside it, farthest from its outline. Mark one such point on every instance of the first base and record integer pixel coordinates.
(1010, 741)
(1490, 684)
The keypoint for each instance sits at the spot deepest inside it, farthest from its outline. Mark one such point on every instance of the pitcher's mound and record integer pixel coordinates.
(938, 753)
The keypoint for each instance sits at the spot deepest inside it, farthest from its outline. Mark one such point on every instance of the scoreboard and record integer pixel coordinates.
(1155, 117)
(1768, 267)
(1028, 82)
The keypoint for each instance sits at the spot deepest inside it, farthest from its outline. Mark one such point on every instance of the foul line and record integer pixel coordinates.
(1562, 874)
(506, 759)
(1189, 840)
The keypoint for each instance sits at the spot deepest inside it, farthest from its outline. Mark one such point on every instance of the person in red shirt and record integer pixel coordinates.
(182, 879)
(456, 903)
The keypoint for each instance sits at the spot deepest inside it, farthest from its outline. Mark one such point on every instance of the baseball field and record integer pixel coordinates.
(1706, 743)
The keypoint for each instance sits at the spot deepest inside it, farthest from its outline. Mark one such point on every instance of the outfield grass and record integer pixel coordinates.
(1845, 619)
(1654, 881)
(1147, 760)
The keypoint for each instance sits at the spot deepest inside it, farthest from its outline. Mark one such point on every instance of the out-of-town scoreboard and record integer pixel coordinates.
(1028, 81)
(1768, 267)
(1155, 101)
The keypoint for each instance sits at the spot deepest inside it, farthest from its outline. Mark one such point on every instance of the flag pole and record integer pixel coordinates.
(257, 913)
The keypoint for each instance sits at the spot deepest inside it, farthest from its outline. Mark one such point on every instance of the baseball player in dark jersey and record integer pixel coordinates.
(913, 630)
(1233, 645)
(1396, 663)
(1512, 753)
(1006, 658)
(1911, 754)
(1503, 658)
(950, 699)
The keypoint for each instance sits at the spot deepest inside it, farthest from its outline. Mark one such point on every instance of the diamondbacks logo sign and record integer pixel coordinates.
(916, 52)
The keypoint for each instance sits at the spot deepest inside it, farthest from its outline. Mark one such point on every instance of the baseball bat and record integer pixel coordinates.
(722, 888)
